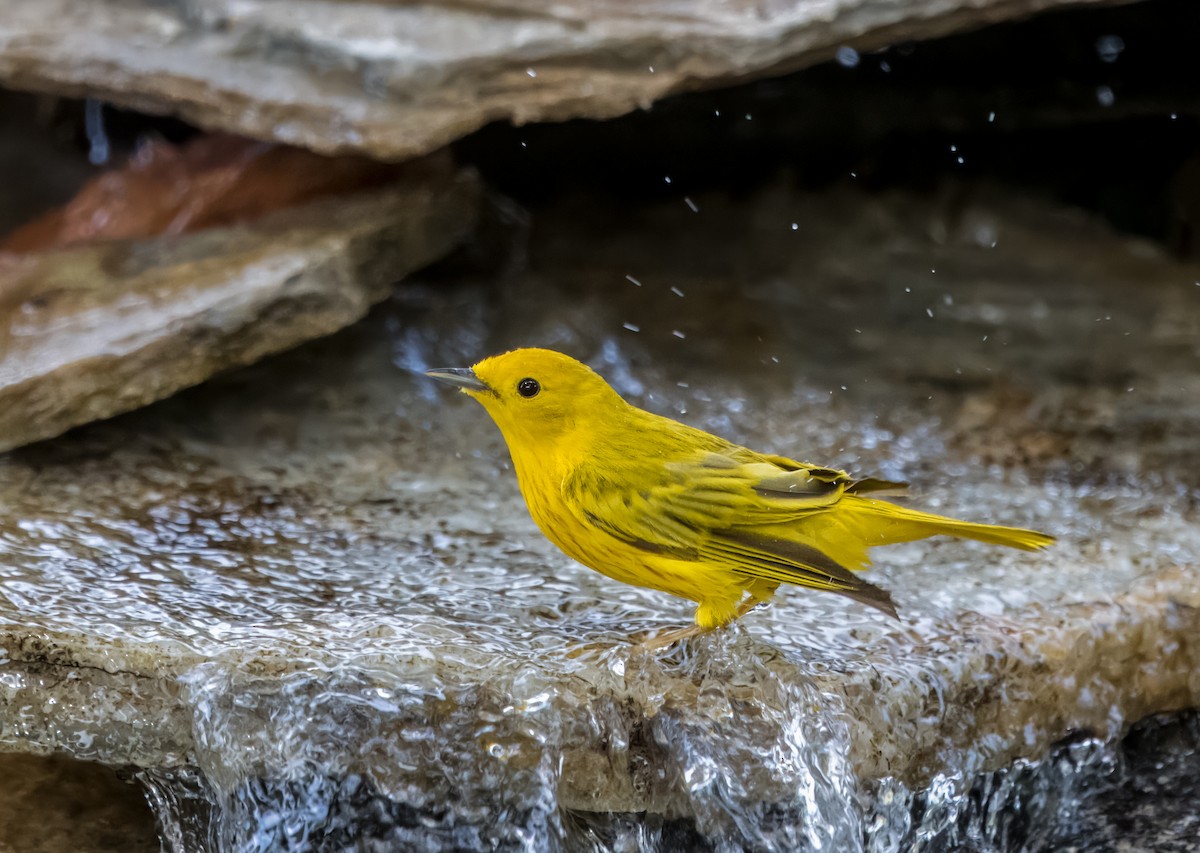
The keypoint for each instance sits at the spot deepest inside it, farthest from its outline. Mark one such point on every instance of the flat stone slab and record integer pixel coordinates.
(307, 598)
(90, 332)
(398, 79)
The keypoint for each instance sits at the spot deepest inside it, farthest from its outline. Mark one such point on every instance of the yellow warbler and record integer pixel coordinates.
(655, 503)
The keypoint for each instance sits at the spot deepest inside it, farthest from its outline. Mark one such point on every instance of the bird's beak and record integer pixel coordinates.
(458, 377)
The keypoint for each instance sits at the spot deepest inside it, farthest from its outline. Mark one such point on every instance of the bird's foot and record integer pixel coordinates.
(652, 640)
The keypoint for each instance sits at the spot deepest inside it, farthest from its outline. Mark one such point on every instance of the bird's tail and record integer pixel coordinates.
(993, 534)
(892, 523)
(862, 522)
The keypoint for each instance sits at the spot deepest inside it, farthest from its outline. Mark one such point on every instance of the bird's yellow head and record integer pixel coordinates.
(534, 395)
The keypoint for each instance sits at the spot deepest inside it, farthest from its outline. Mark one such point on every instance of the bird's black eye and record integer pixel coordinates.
(528, 387)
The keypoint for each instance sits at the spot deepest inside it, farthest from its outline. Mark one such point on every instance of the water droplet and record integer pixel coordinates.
(677, 292)
(1104, 96)
(691, 204)
(679, 334)
(986, 235)
(530, 72)
(633, 280)
(97, 136)
(795, 226)
(631, 327)
(1108, 48)
(847, 57)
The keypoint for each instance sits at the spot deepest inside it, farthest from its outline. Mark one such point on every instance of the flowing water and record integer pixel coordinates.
(306, 600)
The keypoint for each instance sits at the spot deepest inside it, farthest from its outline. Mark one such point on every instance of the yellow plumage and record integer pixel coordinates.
(655, 503)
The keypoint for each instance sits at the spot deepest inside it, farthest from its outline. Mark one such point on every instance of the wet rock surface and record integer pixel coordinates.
(1088, 794)
(55, 805)
(96, 330)
(1149, 802)
(307, 600)
(395, 80)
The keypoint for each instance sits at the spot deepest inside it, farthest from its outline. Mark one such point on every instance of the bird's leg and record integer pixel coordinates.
(707, 620)
(760, 592)
(746, 606)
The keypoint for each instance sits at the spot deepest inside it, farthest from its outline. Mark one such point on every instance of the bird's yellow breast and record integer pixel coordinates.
(542, 489)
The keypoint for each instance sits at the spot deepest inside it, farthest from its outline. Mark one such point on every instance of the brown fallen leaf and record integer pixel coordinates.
(210, 180)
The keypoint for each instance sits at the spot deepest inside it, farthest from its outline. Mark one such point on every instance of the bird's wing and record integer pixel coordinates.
(733, 509)
(674, 507)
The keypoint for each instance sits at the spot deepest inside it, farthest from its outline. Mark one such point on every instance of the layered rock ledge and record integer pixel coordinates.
(394, 80)
(96, 330)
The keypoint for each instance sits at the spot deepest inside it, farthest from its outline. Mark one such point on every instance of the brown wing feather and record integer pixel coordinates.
(781, 561)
